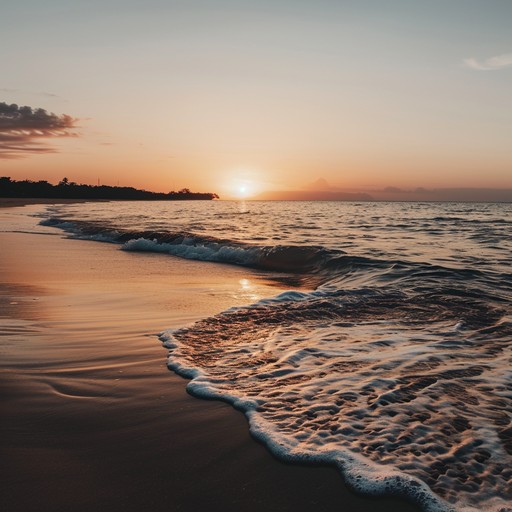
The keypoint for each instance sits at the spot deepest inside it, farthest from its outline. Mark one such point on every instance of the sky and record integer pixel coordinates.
(242, 97)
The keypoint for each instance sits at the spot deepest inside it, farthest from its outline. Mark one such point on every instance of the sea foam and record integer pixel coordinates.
(382, 385)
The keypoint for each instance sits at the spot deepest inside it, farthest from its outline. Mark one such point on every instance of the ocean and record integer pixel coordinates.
(390, 355)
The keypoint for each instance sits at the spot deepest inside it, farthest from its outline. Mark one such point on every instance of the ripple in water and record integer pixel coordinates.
(397, 369)
(407, 394)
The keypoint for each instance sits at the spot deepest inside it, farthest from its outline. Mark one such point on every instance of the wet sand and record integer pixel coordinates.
(91, 417)
(8, 202)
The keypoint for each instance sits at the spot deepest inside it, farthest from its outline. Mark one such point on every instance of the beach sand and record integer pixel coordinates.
(8, 202)
(92, 419)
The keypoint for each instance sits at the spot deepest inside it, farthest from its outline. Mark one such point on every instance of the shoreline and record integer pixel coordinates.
(93, 419)
(11, 202)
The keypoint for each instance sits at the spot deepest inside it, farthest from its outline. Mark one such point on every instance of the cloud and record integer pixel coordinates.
(8, 90)
(23, 130)
(490, 64)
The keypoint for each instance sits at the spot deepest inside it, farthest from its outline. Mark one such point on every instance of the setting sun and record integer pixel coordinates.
(242, 189)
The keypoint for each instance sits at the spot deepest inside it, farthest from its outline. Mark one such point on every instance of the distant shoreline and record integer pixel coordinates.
(8, 202)
(71, 190)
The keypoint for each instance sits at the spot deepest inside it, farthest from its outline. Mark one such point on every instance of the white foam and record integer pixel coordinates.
(203, 252)
(388, 404)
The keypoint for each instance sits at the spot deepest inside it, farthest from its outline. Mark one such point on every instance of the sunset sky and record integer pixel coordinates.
(258, 95)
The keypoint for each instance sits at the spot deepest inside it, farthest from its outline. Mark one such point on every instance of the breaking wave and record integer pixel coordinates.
(284, 258)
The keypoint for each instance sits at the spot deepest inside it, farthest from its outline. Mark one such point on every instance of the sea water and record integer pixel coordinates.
(393, 362)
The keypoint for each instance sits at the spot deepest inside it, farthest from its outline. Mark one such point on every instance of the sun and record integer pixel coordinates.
(242, 183)
(242, 190)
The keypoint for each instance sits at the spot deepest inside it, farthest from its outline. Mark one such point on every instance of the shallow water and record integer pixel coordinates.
(396, 367)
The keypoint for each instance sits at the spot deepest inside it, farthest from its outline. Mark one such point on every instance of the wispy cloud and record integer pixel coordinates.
(23, 130)
(490, 64)
(33, 93)
(49, 95)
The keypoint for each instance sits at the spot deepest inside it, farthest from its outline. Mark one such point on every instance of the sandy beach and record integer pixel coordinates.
(92, 419)
(10, 202)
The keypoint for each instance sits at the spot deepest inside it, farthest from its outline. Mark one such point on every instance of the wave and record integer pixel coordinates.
(284, 258)
(406, 393)
(396, 372)
(327, 264)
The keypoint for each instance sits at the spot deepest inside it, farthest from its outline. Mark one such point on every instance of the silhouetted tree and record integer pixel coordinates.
(67, 189)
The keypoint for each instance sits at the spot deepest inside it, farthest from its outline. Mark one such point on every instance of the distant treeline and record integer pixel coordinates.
(66, 189)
